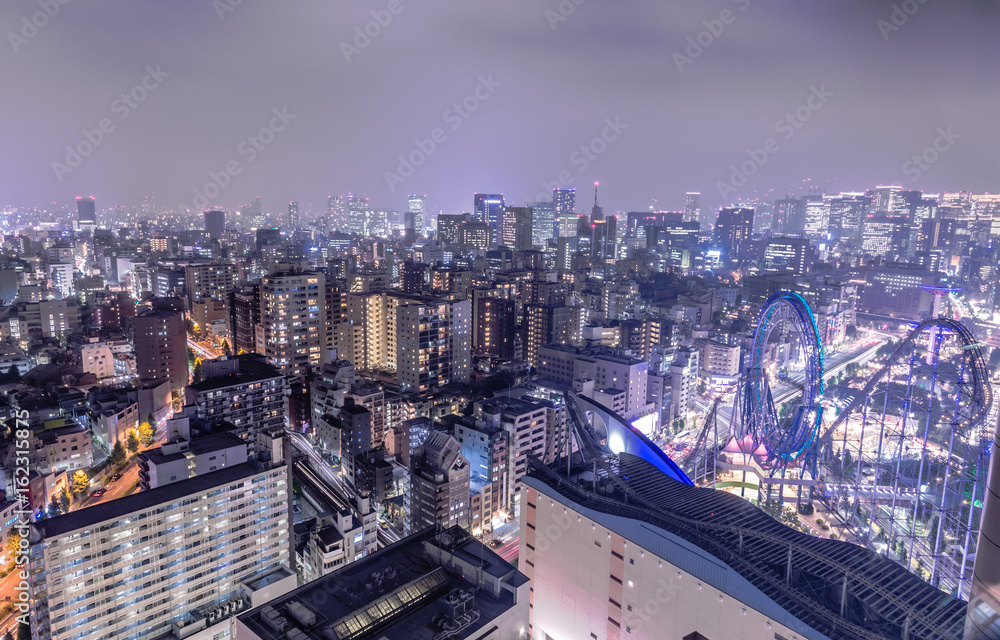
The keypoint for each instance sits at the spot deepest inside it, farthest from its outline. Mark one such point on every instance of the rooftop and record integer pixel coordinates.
(196, 446)
(883, 598)
(403, 592)
(143, 501)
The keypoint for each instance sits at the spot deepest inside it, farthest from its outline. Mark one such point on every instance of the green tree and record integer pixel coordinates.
(118, 455)
(197, 371)
(80, 483)
(64, 502)
(132, 442)
(54, 507)
(226, 348)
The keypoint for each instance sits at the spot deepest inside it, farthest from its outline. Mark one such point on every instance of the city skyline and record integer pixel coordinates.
(671, 116)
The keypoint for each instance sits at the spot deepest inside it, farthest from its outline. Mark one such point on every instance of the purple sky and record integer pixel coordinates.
(556, 88)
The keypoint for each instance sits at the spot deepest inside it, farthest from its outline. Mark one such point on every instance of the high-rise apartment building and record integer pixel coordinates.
(433, 343)
(161, 347)
(244, 391)
(143, 565)
(244, 317)
(293, 215)
(293, 311)
(494, 327)
(439, 484)
(212, 281)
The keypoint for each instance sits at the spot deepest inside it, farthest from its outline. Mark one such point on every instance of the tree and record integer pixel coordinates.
(118, 455)
(81, 483)
(13, 543)
(24, 631)
(132, 442)
(54, 507)
(64, 502)
(226, 349)
(7, 636)
(146, 432)
(197, 371)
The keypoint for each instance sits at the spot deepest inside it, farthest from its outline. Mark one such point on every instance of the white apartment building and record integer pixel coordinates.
(131, 568)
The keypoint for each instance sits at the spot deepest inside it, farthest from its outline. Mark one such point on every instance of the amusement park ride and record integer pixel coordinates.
(902, 463)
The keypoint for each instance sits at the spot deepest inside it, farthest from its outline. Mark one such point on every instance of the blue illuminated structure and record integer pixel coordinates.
(612, 434)
(784, 443)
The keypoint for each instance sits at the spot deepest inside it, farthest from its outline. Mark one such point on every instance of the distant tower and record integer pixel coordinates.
(488, 208)
(293, 215)
(597, 213)
(415, 218)
(215, 223)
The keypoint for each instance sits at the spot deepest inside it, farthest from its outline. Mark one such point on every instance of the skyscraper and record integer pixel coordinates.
(692, 207)
(293, 311)
(215, 223)
(733, 229)
(489, 209)
(564, 203)
(415, 218)
(86, 212)
(543, 226)
(516, 228)
(433, 343)
(293, 215)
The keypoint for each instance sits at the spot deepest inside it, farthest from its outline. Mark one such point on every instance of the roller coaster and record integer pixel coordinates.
(904, 463)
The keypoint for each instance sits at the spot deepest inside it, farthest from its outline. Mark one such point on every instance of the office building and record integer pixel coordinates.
(516, 228)
(448, 225)
(161, 347)
(416, 215)
(564, 204)
(439, 484)
(607, 371)
(215, 224)
(293, 311)
(182, 549)
(543, 228)
(445, 585)
(792, 255)
(732, 231)
(243, 391)
(488, 208)
(293, 216)
(86, 212)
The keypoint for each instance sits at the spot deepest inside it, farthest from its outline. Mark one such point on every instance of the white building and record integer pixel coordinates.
(179, 549)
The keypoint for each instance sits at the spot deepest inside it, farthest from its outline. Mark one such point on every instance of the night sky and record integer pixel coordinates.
(548, 83)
